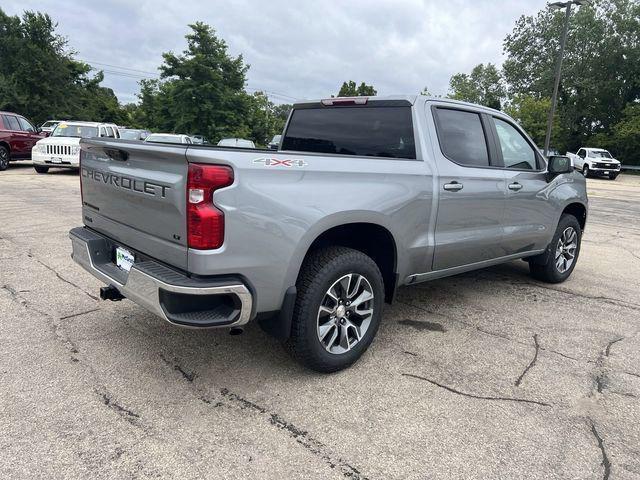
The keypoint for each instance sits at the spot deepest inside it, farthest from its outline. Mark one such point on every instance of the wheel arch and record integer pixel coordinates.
(369, 236)
(578, 210)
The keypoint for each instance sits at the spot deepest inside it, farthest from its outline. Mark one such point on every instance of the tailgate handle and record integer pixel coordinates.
(116, 154)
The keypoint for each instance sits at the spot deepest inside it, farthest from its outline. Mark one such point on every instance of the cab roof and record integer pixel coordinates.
(388, 99)
(88, 124)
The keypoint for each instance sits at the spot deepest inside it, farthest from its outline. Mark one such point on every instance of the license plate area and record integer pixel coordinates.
(56, 160)
(124, 259)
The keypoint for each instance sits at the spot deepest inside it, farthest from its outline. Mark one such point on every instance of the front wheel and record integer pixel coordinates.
(562, 253)
(613, 176)
(340, 296)
(4, 158)
(585, 170)
(40, 169)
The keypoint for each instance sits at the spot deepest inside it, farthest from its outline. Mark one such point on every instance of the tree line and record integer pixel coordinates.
(599, 96)
(203, 89)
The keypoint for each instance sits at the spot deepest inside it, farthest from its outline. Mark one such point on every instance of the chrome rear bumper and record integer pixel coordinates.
(180, 300)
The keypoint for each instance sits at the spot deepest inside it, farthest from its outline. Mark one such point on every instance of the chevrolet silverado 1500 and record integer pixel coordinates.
(596, 162)
(364, 195)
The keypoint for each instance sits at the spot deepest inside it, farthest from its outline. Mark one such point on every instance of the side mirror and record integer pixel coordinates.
(558, 164)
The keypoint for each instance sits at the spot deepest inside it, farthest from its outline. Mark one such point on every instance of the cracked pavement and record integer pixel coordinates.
(484, 375)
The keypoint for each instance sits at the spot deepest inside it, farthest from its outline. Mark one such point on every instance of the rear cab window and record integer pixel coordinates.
(369, 130)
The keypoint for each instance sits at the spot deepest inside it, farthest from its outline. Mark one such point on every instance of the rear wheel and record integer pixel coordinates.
(585, 170)
(338, 309)
(4, 158)
(562, 253)
(41, 169)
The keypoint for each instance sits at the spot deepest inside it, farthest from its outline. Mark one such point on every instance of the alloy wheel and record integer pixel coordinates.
(566, 249)
(4, 159)
(345, 313)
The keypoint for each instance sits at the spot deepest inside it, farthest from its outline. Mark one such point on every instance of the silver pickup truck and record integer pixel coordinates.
(363, 195)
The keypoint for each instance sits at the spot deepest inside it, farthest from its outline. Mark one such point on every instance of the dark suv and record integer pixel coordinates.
(17, 138)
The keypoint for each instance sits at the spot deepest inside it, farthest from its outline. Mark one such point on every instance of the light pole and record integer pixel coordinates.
(563, 40)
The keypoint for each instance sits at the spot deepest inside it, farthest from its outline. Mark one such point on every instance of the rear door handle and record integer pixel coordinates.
(515, 186)
(453, 186)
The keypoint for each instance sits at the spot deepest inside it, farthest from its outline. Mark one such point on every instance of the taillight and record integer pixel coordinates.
(205, 223)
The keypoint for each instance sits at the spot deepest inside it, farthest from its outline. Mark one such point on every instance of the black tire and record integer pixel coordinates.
(585, 170)
(4, 158)
(41, 169)
(544, 267)
(319, 272)
(613, 176)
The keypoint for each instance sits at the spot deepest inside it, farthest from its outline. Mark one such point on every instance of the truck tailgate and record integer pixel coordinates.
(135, 193)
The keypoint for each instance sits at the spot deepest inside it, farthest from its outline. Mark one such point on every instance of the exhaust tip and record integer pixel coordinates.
(236, 331)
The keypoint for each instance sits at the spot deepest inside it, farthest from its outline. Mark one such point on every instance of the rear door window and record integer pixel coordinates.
(11, 122)
(517, 153)
(25, 125)
(462, 137)
(370, 131)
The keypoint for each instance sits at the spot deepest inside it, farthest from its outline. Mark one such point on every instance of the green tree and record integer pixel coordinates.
(152, 111)
(282, 112)
(203, 89)
(265, 119)
(624, 139)
(483, 86)
(39, 77)
(601, 69)
(532, 114)
(349, 89)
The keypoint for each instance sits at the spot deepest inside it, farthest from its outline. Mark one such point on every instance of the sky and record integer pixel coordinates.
(296, 49)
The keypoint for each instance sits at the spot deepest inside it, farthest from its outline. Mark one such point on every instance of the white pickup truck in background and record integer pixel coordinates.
(595, 161)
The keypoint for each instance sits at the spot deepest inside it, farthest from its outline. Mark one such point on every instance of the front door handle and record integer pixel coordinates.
(515, 186)
(453, 186)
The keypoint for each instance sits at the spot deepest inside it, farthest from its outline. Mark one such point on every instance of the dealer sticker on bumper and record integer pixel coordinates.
(124, 259)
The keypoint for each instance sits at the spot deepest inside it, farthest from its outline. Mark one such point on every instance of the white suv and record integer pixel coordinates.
(62, 147)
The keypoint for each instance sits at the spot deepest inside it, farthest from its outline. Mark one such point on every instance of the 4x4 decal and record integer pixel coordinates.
(276, 162)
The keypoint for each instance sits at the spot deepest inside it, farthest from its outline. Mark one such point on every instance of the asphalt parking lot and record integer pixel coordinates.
(483, 375)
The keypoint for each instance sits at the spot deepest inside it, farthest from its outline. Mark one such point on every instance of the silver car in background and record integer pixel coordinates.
(169, 138)
(236, 142)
